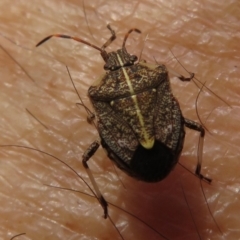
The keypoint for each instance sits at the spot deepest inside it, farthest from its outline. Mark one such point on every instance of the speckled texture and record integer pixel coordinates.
(134, 106)
(203, 35)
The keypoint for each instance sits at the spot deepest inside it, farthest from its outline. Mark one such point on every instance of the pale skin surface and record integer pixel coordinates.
(203, 35)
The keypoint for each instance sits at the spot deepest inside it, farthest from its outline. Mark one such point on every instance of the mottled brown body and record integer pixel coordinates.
(125, 114)
(139, 120)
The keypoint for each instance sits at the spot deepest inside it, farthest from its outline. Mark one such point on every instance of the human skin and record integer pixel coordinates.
(204, 37)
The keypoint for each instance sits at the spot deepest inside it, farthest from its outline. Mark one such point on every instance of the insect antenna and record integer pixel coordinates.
(68, 37)
(101, 50)
(111, 39)
(127, 34)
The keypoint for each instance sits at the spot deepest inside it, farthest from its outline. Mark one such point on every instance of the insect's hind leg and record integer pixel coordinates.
(198, 127)
(86, 156)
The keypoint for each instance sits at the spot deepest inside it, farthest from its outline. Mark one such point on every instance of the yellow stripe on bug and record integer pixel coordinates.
(147, 141)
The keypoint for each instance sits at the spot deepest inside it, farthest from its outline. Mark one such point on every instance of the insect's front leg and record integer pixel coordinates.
(186, 79)
(181, 77)
(198, 127)
(86, 156)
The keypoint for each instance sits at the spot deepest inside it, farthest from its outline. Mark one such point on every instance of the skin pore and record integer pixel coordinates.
(202, 35)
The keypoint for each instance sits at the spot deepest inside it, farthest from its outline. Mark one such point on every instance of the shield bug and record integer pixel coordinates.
(138, 119)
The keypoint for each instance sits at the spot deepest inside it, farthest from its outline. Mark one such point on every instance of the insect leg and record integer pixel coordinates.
(86, 156)
(185, 79)
(181, 77)
(90, 115)
(198, 127)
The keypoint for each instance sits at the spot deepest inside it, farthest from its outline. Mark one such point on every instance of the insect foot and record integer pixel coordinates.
(138, 119)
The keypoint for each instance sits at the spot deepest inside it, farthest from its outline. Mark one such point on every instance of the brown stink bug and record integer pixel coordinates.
(139, 121)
